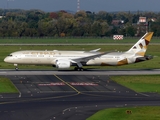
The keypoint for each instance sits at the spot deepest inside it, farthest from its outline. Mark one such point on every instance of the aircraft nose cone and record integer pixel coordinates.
(6, 60)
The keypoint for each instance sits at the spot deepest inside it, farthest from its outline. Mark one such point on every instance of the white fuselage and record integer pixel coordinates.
(49, 57)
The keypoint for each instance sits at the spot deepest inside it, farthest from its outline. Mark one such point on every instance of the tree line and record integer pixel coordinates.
(37, 23)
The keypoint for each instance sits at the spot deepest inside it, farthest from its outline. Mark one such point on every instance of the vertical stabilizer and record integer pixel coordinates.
(141, 46)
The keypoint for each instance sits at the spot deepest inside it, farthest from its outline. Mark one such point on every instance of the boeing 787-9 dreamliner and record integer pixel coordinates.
(66, 59)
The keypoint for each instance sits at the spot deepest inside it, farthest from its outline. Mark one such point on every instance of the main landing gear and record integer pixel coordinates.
(78, 69)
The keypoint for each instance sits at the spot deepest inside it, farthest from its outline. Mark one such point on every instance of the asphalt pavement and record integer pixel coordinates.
(51, 96)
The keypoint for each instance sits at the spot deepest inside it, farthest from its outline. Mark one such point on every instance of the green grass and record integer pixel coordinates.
(71, 40)
(144, 83)
(137, 113)
(65, 40)
(6, 86)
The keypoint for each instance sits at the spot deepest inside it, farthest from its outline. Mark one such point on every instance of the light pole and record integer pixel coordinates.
(78, 5)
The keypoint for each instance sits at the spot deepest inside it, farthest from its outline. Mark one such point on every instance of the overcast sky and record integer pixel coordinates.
(87, 5)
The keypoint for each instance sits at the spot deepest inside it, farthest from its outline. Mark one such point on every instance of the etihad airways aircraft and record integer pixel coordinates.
(66, 59)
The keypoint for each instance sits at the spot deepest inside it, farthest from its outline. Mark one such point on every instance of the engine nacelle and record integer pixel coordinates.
(61, 64)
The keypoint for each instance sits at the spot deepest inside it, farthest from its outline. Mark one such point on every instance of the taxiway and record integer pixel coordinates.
(68, 95)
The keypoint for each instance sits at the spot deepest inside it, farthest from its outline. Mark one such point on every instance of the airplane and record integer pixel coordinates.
(66, 59)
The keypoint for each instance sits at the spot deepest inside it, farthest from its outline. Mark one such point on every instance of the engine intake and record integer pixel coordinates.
(61, 64)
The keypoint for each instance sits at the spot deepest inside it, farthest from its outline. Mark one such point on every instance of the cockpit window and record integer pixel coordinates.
(10, 55)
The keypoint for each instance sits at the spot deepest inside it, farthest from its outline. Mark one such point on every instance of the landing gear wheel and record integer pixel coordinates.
(78, 69)
(16, 68)
(75, 68)
(81, 69)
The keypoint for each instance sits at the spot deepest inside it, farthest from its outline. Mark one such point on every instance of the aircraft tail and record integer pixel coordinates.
(141, 46)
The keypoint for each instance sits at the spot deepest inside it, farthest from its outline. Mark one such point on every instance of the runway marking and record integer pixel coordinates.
(57, 91)
(99, 91)
(71, 83)
(83, 84)
(52, 84)
(144, 94)
(36, 99)
(67, 84)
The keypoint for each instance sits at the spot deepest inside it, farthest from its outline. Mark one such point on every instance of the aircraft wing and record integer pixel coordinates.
(85, 59)
(92, 51)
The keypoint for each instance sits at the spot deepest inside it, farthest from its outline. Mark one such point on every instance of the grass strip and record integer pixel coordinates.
(144, 83)
(67, 40)
(131, 113)
(6, 86)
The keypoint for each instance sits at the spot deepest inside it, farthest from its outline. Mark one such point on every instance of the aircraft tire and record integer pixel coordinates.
(78, 69)
(16, 69)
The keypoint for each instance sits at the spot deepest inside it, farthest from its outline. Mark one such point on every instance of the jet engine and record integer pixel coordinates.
(61, 64)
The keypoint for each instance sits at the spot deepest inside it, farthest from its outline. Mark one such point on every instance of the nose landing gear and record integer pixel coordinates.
(16, 66)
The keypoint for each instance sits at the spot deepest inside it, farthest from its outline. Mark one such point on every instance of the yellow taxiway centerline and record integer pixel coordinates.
(67, 84)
